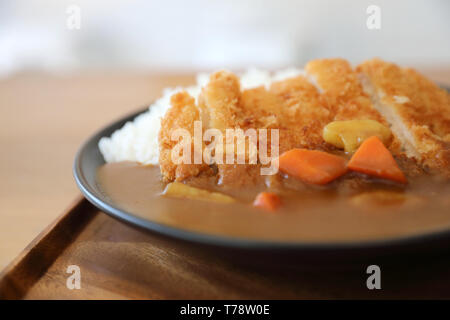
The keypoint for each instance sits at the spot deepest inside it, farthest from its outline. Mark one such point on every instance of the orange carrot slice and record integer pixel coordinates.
(312, 166)
(374, 159)
(268, 201)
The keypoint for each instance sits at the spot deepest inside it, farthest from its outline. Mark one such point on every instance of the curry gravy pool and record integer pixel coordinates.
(325, 214)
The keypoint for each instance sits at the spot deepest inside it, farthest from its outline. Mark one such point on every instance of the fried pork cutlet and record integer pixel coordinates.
(342, 90)
(221, 109)
(293, 106)
(417, 109)
(303, 114)
(343, 93)
(219, 101)
(181, 115)
(261, 108)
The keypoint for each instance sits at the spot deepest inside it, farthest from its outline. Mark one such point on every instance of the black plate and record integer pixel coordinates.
(89, 158)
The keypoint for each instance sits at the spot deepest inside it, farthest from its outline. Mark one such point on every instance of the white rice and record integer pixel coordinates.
(138, 140)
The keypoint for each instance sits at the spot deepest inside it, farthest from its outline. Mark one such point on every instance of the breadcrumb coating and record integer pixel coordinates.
(343, 93)
(304, 114)
(418, 110)
(182, 114)
(219, 101)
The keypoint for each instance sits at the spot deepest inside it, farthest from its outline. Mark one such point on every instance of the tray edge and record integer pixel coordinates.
(17, 277)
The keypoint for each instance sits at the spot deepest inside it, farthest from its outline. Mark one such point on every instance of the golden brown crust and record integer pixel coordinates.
(342, 90)
(420, 105)
(292, 106)
(299, 110)
(261, 109)
(182, 114)
(219, 101)
(220, 106)
(304, 114)
(343, 93)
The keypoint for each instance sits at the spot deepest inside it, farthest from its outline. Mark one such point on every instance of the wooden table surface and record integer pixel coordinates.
(117, 261)
(44, 120)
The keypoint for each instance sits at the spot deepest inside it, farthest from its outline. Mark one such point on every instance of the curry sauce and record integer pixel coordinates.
(352, 208)
(363, 154)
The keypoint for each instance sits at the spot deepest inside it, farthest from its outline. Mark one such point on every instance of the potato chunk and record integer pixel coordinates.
(349, 134)
(181, 190)
(384, 198)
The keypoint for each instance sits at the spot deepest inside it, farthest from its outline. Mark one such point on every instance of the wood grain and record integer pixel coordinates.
(45, 119)
(39, 255)
(120, 262)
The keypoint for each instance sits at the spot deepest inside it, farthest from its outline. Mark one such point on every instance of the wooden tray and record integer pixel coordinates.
(118, 261)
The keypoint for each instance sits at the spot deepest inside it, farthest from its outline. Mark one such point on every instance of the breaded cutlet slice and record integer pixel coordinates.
(343, 93)
(292, 106)
(261, 109)
(219, 101)
(182, 114)
(304, 114)
(342, 90)
(220, 106)
(417, 109)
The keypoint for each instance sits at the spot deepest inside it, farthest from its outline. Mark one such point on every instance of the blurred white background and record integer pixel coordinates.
(120, 59)
(180, 35)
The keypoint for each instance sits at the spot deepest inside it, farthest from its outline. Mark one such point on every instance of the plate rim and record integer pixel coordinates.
(218, 240)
